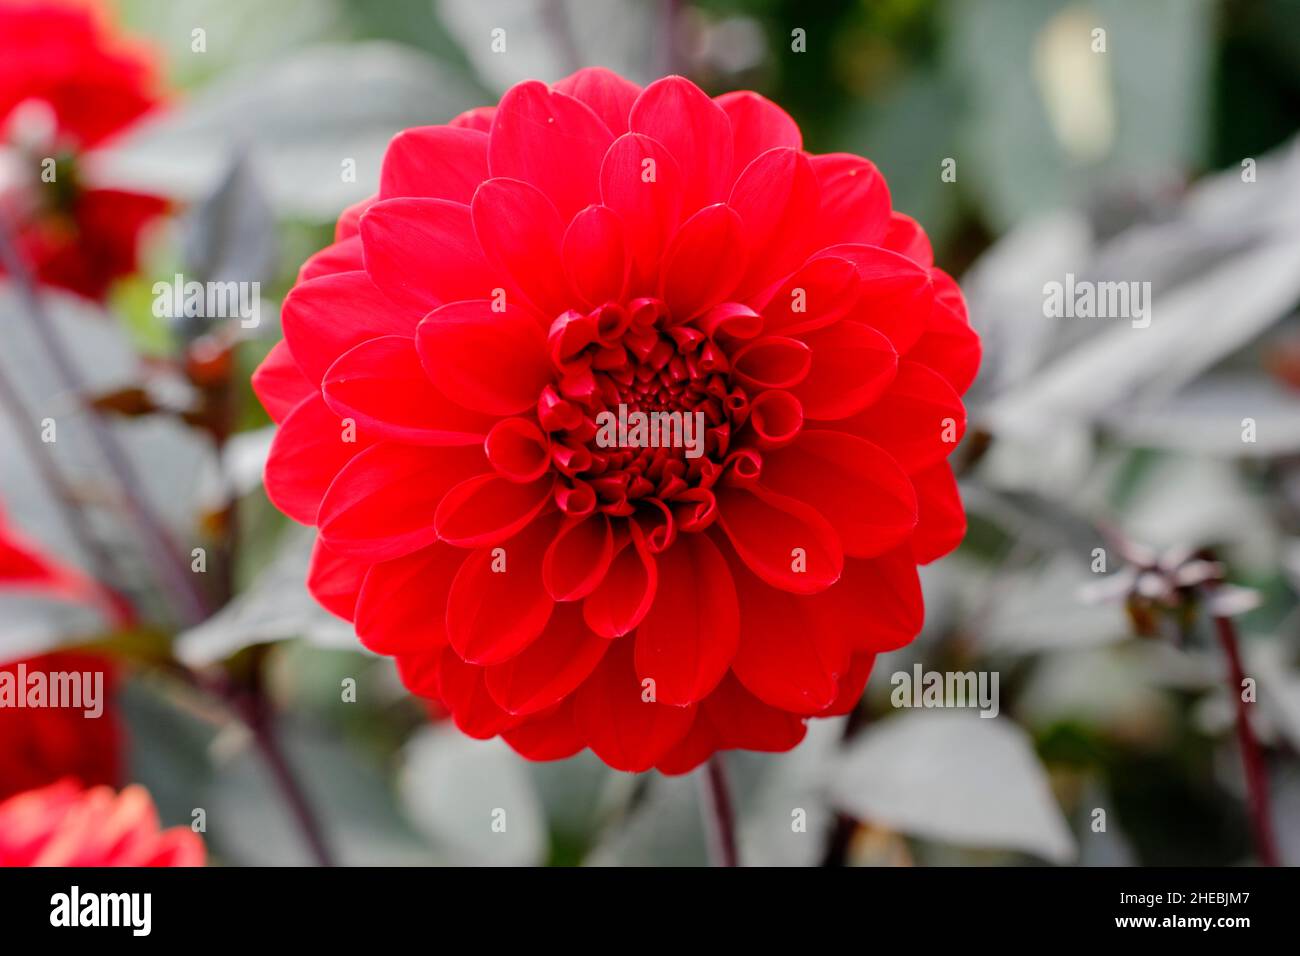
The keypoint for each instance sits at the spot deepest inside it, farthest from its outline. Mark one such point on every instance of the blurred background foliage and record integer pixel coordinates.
(1122, 165)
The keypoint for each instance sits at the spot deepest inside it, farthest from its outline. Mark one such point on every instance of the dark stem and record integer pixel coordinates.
(25, 422)
(1261, 817)
(167, 560)
(719, 814)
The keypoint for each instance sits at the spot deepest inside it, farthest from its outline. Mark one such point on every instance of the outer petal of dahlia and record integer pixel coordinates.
(382, 503)
(905, 235)
(816, 295)
(520, 230)
(494, 362)
(783, 541)
(784, 660)
(608, 94)
(699, 744)
(595, 254)
(549, 669)
(919, 419)
(772, 362)
(342, 256)
(625, 730)
(949, 345)
(309, 449)
(552, 141)
(757, 125)
(327, 316)
(851, 686)
(625, 594)
(278, 382)
(423, 252)
(855, 200)
(741, 720)
(497, 606)
(436, 162)
(942, 523)
(696, 131)
(704, 261)
(776, 197)
(852, 366)
(335, 580)
(896, 297)
(349, 224)
(421, 672)
(641, 181)
(691, 633)
(463, 689)
(479, 118)
(855, 485)
(579, 557)
(393, 610)
(548, 736)
(877, 604)
(381, 385)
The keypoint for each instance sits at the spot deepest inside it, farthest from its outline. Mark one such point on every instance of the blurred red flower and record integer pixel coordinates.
(64, 825)
(445, 390)
(42, 745)
(68, 84)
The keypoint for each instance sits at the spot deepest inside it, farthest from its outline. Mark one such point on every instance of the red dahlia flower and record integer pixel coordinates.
(63, 825)
(68, 85)
(590, 250)
(42, 745)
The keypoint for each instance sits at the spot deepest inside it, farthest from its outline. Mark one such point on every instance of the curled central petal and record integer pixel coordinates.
(624, 421)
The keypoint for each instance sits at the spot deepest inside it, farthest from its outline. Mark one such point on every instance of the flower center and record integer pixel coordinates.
(642, 410)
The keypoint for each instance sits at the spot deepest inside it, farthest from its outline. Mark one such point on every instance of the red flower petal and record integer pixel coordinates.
(608, 94)
(278, 382)
(625, 731)
(776, 199)
(596, 261)
(579, 557)
(423, 252)
(488, 361)
(548, 736)
(785, 542)
(436, 162)
(488, 509)
(518, 450)
(551, 140)
(382, 504)
(905, 235)
(382, 385)
(399, 610)
(854, 484)
(949, 345)
(757, 125)
(479, 118)
(625, 594)
(309, 449)
(852, 684)
(855, 200)
(919, 419)
(690, 635)
(463, 689)
(942, 524)
(342, 256)
(521, 232)
(641, 181)
(696, 131)
(896, 297)
(816, 295)
(335, 580)
(877, 604)
(551, 668)
(740, 719)
(704, 261)
(324, 318)
(852, 365)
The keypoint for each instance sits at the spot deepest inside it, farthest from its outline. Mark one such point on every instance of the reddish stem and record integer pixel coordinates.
(719, 814)
(1261, 818)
